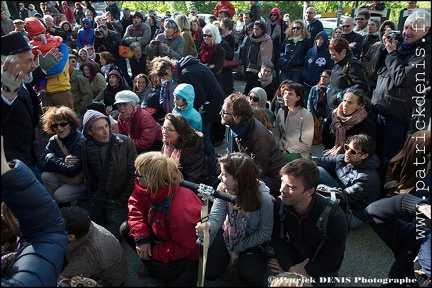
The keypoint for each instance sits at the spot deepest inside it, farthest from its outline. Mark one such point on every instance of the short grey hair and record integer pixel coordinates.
(269, 64)
(134, 45)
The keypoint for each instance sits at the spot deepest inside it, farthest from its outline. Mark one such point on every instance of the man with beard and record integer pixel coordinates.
(20, 106)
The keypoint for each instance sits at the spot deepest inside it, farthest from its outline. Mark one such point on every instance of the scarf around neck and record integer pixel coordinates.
(341, 124)
(276, 31)
(235, 227)
(207, 52)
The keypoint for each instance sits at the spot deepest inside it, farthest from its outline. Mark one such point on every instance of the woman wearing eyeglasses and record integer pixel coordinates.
(186, 146)
(62, 154)
(293, 52)
(161, 221)
(352, 116)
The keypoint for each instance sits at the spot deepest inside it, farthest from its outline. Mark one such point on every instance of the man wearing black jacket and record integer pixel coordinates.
(296, 239)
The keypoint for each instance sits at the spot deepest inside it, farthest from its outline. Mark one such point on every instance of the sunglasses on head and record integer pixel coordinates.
(55, 125)
(254, 98)
(351, 150)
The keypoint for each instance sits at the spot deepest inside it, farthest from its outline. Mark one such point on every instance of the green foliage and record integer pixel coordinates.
(294, 8)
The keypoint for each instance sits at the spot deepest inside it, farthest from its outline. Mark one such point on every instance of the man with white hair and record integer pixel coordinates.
(53, 29)
(354, 39)
(19, 105)
(313, 25)
(402, 75)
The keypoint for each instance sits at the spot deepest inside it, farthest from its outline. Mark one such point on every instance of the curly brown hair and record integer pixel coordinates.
(59, 114)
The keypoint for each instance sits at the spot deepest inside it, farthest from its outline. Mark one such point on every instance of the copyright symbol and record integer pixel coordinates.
(270, 279)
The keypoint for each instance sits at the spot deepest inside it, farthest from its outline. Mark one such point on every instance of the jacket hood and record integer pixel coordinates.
(116, 73)
(34, 27)
(186, 92)
(262, 94)
(277, 11)
(187, 60)
(325, 36)
(86, 20)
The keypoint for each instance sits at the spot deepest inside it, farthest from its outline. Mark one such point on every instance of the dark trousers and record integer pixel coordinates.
(391, 136)
(178, 273)
(251, 263)
(385, 217)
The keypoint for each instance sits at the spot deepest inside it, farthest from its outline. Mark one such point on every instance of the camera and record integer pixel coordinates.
(98, 33)
(394, 34)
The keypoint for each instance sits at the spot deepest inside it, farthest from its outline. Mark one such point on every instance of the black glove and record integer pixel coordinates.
(47, 62)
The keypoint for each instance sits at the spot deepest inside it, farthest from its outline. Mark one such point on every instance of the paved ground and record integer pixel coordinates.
(367, 259)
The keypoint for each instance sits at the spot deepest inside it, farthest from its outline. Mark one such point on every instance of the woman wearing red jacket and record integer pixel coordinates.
(161, 221)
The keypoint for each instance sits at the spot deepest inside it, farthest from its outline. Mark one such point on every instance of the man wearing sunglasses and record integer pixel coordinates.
(355, 173)
(354, 39)
(362, 22)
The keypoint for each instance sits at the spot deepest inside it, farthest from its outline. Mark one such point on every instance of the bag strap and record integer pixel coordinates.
(322, 222)
(61, 145)
(86, 36)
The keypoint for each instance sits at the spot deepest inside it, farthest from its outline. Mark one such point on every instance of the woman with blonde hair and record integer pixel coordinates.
(161, 221)
(185, 26)
(293, 52)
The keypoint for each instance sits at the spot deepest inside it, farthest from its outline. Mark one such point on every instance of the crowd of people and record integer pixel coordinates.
(102, 149)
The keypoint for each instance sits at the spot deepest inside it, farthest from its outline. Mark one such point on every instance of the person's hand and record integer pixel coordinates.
(233, 259)
(70, 160)
(51, 58)
(275, 266)
(200, 227)
(12, 78)
(390, 44)
(299, 268)
(144, 251)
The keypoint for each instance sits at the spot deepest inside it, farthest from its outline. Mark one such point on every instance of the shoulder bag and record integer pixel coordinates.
(78, 179)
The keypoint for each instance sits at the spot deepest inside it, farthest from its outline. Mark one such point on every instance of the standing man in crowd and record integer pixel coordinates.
(401, 70)
(362, 22)
(313, 25)
(354, 39)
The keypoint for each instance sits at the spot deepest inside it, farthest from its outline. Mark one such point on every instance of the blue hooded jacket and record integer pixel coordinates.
(317, 60)
(187, 93)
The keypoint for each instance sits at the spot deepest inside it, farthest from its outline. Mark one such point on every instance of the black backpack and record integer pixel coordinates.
(335, 197)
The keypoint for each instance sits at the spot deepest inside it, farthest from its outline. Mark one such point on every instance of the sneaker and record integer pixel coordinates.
(142, 271)
(79, 281)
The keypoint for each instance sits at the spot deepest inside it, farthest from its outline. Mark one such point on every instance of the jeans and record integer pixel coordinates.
(114, 216)
(327, 179)
(295, 76)
(209, 149)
